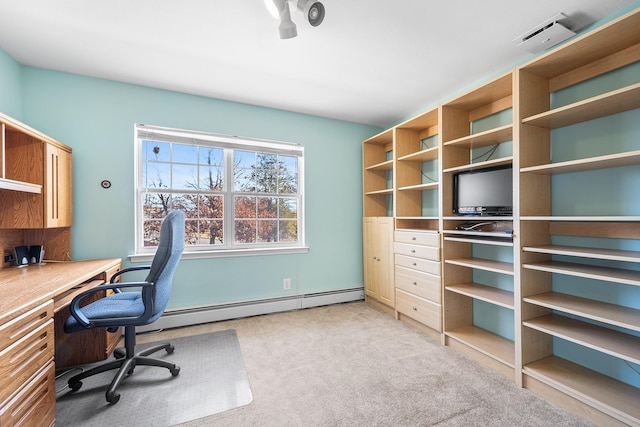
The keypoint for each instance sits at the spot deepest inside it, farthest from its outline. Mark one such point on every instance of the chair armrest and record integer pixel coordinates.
(128, 270)
(76, 310)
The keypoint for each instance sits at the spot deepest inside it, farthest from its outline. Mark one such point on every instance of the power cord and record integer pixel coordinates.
(473, 226)
(62, 374)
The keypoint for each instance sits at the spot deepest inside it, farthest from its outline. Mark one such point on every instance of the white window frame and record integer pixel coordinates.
(228, 143)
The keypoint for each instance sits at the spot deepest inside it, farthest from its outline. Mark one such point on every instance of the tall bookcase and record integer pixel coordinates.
(580, 283)
(549, 296)
(478, 264)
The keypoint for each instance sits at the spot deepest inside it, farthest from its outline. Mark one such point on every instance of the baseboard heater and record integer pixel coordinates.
(214, 313)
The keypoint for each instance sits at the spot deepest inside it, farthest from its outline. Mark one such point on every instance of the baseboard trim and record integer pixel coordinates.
(215, 313)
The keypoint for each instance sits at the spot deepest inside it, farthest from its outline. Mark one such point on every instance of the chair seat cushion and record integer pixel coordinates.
(125, 304)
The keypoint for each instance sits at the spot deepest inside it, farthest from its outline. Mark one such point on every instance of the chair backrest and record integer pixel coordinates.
(165, 260)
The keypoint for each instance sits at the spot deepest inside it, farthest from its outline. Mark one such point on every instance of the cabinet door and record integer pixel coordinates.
(57, 188)
(384, 249)
(370, 260)
(378, 259)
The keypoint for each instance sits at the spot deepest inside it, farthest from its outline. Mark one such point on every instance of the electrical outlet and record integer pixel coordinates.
(286, 284)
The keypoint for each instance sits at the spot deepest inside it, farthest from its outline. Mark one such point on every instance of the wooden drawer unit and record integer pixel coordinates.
(34, 404)
(420, 264)
(417, 277)
(27, 345)
(419, 309)
(421, 284)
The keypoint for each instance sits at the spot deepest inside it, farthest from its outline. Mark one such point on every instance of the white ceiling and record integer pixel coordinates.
(370, 61)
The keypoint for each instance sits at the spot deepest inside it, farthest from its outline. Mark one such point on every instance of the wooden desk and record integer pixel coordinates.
(31, 297)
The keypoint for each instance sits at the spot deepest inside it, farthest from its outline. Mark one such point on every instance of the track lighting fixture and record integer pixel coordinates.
(312, 10)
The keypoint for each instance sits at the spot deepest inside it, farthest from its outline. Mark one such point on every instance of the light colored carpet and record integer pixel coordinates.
(351, 365)
(212, 379)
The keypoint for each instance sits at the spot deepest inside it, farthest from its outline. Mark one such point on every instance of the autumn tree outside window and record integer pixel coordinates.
(237, 193)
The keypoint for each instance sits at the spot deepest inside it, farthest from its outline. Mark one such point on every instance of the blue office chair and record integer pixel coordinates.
(131, 309)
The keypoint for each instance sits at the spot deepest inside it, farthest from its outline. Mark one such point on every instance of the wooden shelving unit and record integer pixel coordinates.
(378, 163)
(565, 267)
(417, 172)
(557, 313)
(460, 141)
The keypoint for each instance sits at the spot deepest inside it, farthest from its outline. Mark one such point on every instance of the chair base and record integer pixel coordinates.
(125, 363)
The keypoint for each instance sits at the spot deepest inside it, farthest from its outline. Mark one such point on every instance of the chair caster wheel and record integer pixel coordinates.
(113, 398)
(170, 349)
(75, 386)
(175, 371)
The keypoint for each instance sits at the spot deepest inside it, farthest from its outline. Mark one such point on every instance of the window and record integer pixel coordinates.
(238, 194)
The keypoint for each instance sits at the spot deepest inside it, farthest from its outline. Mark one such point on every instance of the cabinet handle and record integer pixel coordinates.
(413, 251)
(413, 238)
(414, 264)
(415, 283)
(414, 308)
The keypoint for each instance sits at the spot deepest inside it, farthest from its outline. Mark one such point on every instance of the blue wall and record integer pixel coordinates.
(96, 118)
(10, 86)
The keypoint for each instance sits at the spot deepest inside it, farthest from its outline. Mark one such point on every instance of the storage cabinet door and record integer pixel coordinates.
(57, 189)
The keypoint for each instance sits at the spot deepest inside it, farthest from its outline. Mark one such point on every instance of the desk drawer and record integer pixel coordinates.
(424, 285)
(16, 328)
(35, 404)
(426, 252)
(420, 264)
(419, 309)
(417, 238)
(23, 358)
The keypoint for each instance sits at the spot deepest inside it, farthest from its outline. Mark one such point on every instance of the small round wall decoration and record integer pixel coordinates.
(105, 184)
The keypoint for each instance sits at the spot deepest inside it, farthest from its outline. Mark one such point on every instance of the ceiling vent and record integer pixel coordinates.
(543, 36)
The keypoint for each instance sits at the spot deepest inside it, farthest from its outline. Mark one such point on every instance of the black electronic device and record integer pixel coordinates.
(485, 192)
(36, 253)
(22, 255)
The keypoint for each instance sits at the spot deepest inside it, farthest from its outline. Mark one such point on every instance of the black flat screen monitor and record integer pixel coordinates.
(483, 192)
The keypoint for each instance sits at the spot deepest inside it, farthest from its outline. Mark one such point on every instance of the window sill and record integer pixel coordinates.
(225, 253)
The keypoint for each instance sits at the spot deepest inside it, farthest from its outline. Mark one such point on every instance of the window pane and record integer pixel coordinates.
(155, 205)
(288, 207)
(210, 207)
(156, 151)
(151, 232)
(244, 163)
(267, 207)
(211, 178)
(187, 203)
(245, 231)
(245, 207)
(288, 183)
(213, 230)
(288, 231)
(185, 153)
(266, 173)
(184, 177)
(191, 234)
(211, 156)
(156, 175)
(267, 231)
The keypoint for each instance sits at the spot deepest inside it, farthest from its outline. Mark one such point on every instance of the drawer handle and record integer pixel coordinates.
(413, 238)
(414, 264)
(413, 251)
(414, 308)
(415, 283)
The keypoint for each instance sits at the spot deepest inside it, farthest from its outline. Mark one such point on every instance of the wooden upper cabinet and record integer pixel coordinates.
(57, 188)
(35, 178)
